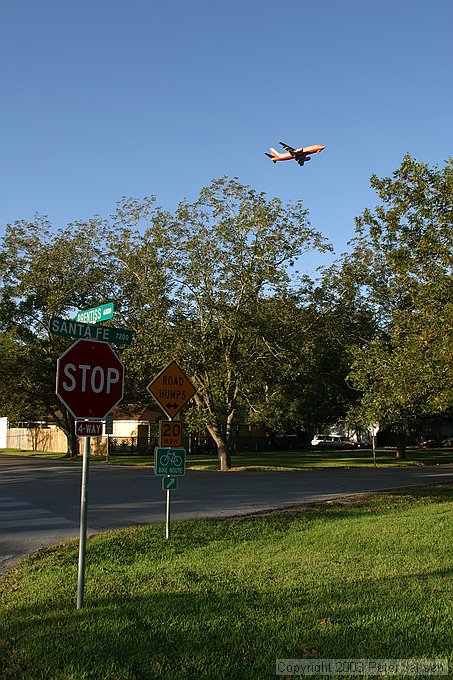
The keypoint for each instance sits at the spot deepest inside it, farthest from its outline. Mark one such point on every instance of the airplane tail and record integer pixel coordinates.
(274, 155)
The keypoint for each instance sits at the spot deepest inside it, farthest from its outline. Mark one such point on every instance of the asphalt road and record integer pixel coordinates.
(40, 500)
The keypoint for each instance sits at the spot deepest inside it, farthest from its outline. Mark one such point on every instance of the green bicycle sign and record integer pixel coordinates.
(169, 461)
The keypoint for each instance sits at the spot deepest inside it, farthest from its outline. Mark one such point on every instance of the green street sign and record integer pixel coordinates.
(87, 331)
(96, 314)
(169, 461)
(169, 483)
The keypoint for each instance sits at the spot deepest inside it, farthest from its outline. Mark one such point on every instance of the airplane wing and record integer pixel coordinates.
(288, 148)
(302, 159)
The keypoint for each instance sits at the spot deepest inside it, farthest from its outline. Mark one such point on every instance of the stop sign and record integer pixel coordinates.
(90, 379)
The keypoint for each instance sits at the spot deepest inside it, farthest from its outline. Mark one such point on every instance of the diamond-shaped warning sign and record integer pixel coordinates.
(171, 389)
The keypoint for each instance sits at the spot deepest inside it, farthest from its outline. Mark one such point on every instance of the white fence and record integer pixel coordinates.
(36, 439)
(3, 432)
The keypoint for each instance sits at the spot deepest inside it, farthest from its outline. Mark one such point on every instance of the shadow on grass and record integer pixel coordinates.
(176, 617)
(191, 629)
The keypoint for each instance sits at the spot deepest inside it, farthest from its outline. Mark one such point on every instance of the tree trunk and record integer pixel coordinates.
(67, 424)
(401, 441)
(73, 444)
(222, 448)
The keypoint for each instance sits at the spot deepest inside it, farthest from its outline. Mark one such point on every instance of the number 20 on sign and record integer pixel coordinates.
(170, 433)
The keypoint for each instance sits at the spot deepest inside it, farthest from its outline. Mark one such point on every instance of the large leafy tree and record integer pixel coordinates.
(204, 273)
(336, 318)
(402, 258)
(235, 251)
(142, 284)
(43, 273)
(307, 342)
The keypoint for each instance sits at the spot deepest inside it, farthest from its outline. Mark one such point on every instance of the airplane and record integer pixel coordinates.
(301, 155)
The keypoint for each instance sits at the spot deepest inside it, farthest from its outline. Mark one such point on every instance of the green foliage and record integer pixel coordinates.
(42, 273)
(214, 285)
(197, 285)
(402, 259)
(302, 381)
(140, 282)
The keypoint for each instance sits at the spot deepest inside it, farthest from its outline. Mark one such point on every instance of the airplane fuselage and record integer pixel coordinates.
(305, 151)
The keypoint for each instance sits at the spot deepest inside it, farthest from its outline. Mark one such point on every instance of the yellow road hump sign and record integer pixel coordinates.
(172, 389)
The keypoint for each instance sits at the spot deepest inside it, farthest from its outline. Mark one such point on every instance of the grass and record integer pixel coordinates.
(367, 578)
(280, 460)
(46, 455)
(297, 460)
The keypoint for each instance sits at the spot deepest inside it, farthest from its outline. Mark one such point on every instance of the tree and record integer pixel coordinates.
(402, 258)
(43, 273)
(209, 268)
(337, 319)
(141, 283)
(309, 335)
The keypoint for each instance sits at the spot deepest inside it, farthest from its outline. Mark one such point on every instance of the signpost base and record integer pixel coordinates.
(167, 517)
(83, 523)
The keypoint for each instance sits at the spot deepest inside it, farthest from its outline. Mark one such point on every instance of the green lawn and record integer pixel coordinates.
(369, 578)
(46, 455)
(296, 460)
(281, 460)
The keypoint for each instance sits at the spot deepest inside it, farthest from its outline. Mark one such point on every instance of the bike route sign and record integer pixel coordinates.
(169, 461)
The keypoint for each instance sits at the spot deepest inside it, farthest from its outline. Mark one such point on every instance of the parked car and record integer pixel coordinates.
(332, 441)
(428, 443)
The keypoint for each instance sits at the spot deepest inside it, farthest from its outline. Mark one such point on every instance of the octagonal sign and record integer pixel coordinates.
(90, 379)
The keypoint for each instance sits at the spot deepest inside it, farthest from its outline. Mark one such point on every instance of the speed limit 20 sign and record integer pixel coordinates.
(170, 433)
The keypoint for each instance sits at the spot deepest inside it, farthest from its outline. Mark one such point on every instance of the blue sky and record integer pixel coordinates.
(105, 98)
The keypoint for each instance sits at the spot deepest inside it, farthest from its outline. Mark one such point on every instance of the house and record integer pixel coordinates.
(139, 425)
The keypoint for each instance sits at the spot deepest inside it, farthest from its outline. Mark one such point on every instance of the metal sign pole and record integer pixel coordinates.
(170, 463)
(374, 429)
(167, 513)
(167, 517)
(83, 522)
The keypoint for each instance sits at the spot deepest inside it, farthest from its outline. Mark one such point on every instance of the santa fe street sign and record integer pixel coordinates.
(85, 331)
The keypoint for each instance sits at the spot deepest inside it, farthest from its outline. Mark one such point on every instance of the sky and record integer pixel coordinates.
(109, 98)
